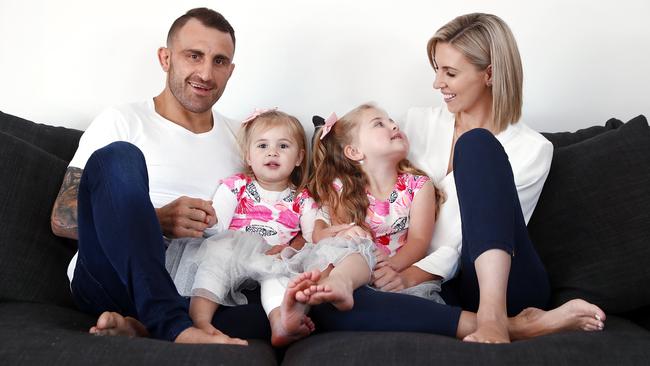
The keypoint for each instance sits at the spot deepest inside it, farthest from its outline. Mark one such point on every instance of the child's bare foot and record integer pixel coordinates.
(114, 324)
(490, 328)
(313, 276)
(195, 335)
(289, 322)
(576, 314)
(335, 290)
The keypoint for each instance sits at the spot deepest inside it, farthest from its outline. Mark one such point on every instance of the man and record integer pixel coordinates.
(168, 153)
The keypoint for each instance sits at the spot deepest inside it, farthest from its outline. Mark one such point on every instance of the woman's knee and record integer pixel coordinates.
(477, 145)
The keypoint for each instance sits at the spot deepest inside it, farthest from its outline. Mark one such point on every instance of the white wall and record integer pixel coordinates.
(62, 62)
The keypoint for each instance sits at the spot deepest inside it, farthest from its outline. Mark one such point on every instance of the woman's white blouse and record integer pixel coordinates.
(430, 132)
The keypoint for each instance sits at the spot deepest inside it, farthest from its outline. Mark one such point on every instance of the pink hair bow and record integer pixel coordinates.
(258, 112)
(329, 123)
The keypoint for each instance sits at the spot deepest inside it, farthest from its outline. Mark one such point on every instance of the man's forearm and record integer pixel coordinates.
(64, 212)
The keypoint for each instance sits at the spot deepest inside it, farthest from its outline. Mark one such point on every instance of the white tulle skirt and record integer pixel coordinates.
(225, 264)
(221, 267)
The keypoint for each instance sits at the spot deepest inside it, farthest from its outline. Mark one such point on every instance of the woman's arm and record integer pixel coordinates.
(422, 218)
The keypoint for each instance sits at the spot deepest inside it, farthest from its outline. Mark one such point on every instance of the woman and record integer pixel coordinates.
(492, 169)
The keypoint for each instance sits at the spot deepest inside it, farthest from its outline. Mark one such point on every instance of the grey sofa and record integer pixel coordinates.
(591, 228)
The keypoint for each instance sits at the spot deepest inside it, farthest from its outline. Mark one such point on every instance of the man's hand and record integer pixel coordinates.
(186, 217)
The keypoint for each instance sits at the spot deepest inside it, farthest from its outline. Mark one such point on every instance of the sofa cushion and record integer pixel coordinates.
(622, 343)
(42, 334)
(58, 141)
(561, 139)
(32, 260)
(592, 223)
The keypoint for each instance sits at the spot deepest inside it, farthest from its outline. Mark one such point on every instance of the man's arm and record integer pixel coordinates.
(64, 212)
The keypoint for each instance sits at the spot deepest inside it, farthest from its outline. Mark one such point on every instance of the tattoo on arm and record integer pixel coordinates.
(64, 212)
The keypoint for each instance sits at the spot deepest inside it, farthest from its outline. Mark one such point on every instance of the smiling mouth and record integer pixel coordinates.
(199, 86)
(448, 97)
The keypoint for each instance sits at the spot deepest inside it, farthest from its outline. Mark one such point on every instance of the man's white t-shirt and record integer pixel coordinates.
(430, 133)
(179, 162)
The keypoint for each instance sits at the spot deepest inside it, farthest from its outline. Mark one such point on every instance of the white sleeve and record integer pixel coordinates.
(224, 203)
(531, 178)
(109, 126)
(308, 215)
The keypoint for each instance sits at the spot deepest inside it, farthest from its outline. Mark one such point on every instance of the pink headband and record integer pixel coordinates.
(258, 112)
(329, 123)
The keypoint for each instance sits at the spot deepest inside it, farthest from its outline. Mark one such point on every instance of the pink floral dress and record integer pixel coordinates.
(277, 221)
(389, 219)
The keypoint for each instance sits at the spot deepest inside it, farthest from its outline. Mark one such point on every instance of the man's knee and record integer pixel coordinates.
(117, 159)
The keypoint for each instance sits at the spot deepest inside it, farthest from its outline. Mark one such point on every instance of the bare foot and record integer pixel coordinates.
(196, 335)
(335, 290)
(114, 324)
(576, 314)
(289, 322)
(490, 329)
(313, 276)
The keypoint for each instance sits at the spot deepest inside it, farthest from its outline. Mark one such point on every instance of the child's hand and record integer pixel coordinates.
(276, 249)
(381, 257)
(354, 231)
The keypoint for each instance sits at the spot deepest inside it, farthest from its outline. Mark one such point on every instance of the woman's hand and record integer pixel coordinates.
(388, 279)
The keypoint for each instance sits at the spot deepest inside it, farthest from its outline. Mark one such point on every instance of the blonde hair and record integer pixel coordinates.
(329, 163)
(485, 39)
(266, 121)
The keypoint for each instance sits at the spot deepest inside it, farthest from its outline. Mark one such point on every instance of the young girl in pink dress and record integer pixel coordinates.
(362, 177)
(259, 212)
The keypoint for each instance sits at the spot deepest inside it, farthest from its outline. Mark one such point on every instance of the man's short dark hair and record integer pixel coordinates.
(208, 17)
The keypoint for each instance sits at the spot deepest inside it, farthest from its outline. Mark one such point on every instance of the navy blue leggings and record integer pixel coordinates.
(491, 219)
(121, 263)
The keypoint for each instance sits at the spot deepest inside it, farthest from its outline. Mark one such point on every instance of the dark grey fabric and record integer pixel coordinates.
(59, 141)
(621, 343)
(591, 226)
(33, 261)
(37, 334)
(561, 139)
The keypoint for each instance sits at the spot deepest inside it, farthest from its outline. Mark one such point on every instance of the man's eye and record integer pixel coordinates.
(221, 61)
(451, 75)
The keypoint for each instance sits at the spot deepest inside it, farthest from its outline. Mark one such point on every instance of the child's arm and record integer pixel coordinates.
(421, 222)
(201, 311)
(224, 203)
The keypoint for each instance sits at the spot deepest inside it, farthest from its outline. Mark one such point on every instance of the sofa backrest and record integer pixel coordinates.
(33, 261)
(591, 226)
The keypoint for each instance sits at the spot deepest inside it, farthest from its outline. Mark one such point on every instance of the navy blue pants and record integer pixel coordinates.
(491, 219)
(121, 263)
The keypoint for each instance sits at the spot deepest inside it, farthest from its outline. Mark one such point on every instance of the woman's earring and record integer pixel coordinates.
(361, 162)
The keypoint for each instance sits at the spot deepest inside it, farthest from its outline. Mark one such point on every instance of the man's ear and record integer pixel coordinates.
(163, 58)
(353, 153)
